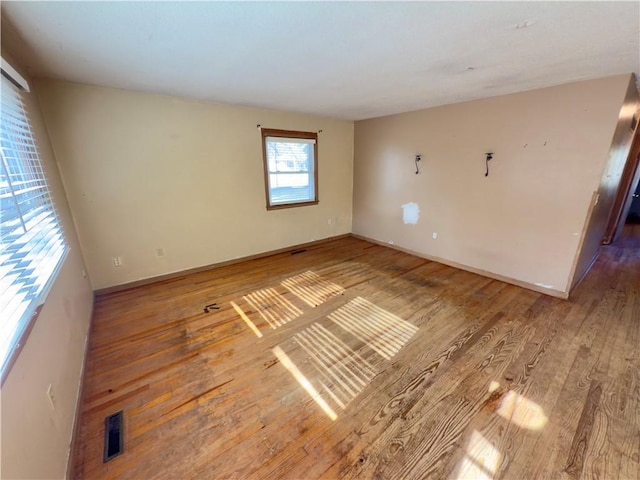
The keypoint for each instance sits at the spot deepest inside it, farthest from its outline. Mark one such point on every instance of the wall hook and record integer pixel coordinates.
(489, 157)
(418, 158)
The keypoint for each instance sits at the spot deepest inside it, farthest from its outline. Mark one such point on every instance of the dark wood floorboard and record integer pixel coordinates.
(352, 360)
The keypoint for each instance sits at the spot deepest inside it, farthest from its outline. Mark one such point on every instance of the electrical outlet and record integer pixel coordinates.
(434, 235)
(160, 252)
(51, 396)
(117, 262)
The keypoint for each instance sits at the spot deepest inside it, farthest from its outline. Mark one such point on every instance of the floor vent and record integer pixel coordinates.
(113, 436)
(296, 252)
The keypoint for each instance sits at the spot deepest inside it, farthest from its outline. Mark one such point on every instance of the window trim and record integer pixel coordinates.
(270, 132)
(36, 304)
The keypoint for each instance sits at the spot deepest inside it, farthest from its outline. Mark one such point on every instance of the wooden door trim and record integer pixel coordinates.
(628, 175)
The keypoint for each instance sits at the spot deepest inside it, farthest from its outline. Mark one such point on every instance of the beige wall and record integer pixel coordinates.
(146, 171)
(522, 222)
(605, 197)
(35, 437)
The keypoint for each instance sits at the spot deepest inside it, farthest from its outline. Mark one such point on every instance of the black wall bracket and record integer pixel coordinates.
(489, 157)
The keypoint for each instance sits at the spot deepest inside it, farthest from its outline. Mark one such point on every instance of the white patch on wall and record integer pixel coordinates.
(410, 213)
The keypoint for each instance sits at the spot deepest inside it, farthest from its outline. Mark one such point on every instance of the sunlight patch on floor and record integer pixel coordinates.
(272, 306)
(246, 319)
(384, 332)
(311, 288)
(344, 371)
(287, 363)
(481, 460)
(522, 411)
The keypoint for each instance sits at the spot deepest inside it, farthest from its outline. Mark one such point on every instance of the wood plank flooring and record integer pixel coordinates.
(352, 360)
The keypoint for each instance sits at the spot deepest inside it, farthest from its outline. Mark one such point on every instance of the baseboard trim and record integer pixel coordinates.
(189, 271)
(519, 283)
(169, 276)
(77, 420)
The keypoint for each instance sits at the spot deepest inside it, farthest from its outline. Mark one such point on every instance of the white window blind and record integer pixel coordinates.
(32, 245)
(291, 170)
(291, 140)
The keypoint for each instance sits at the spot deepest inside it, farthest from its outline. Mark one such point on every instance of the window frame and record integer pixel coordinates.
(271, 132)
(34, 305)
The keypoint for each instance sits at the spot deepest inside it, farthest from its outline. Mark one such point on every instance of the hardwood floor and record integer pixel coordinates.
(351, 360)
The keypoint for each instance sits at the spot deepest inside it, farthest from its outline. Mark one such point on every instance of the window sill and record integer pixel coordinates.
(291, 205)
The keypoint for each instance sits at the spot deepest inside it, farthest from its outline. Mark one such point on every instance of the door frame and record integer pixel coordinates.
(627, 181)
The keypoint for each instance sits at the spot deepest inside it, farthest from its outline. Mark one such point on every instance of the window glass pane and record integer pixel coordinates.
(289, 157)
(290, 188)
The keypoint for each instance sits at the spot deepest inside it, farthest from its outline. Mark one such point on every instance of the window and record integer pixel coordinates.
(290, 168)
(32, 245)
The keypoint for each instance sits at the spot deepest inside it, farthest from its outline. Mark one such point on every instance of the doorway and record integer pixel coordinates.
(633, 216)
(626, 208)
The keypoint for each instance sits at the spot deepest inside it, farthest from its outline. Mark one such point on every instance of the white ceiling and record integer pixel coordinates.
(350, 60)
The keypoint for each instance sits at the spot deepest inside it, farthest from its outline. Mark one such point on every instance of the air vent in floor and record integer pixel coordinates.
(113, 436)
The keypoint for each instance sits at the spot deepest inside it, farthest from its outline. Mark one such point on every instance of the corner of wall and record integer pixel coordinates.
(603, 199)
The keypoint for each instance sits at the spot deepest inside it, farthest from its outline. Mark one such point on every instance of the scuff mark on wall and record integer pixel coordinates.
(410, 213)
